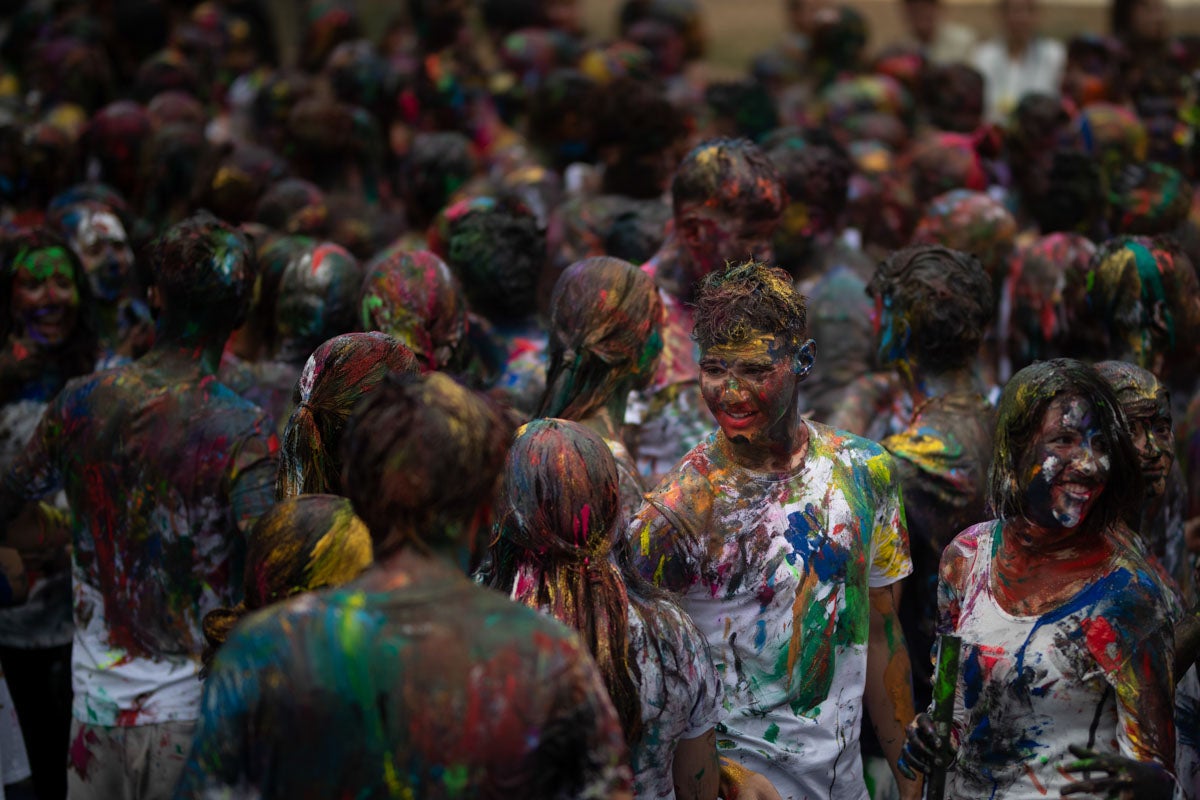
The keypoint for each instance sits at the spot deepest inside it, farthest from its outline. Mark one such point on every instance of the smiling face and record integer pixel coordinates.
(751, 388)
(715, 238)
(100, 242)
(1065, 467)
(45, 299)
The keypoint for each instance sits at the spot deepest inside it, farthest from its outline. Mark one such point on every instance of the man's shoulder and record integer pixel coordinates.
(829, 442)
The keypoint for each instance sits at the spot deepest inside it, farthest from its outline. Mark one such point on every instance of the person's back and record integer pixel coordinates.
(163, 467)
(437, 689)
(410, 681)
(146, 461)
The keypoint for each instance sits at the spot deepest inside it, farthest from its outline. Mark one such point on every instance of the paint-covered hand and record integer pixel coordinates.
(925, 751)
(1124, 778)
(739, 783)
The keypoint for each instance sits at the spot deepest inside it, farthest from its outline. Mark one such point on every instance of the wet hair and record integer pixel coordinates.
(204, 271)
(561, 514)
(1149, 199)
(1045, 276)
(1129, 275)
(743, 298)
(729, 176)
(338, 375)
(1022, 406)
(318, 299)
(946, 298)
(498, 254)
(415, 297)
(1136, 388)
(301, 544)
(77, 355)
(422, 456)
(438, 165)
(605, 336)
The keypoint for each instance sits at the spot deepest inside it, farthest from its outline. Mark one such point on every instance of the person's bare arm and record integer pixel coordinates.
(695, 770)
(888, 691)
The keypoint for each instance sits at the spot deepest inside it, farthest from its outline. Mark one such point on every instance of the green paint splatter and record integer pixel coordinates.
(772, 733)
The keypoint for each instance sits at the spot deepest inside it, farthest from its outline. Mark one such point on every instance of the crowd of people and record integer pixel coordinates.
(491, 410)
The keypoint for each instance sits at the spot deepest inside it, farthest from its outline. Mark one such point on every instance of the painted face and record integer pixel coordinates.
(103, 248)
(723, 238)
(751, 387)
(1153, 439)
(45, 300)
(1065, 467)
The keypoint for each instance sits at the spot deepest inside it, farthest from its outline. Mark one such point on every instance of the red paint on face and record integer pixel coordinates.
(750, 387)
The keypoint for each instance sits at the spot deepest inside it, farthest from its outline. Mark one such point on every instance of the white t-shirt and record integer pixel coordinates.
(1030, 686)
(775, 570)
(680, 693)
(1006, 79)
(113, 687)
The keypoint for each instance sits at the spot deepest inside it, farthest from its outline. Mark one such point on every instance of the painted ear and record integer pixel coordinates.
(805, 358)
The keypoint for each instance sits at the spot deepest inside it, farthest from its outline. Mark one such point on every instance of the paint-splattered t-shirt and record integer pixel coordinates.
(437, 689)
(1029, 686)
(775, 569)
(163, 474)
(680, 692)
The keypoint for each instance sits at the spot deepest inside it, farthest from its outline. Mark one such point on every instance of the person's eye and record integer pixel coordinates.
(757, 369)
(1100, 443)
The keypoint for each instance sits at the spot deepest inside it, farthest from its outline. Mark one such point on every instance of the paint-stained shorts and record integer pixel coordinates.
(134, 763)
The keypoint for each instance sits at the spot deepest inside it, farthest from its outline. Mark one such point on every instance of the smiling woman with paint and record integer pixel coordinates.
(46, 338)
(1065, 641)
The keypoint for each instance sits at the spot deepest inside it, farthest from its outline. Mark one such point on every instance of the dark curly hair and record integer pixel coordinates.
(946, 297)
(204, 271)
(498, 254)
(743, 298)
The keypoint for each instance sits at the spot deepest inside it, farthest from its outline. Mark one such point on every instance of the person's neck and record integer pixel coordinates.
(924, 384)
(408, 565)
(186, 353)
(1039, 569)
(784, 452)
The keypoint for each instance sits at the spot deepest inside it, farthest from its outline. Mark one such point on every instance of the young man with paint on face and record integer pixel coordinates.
(164, 469)
(410, 681)
(727, 201)
(1066, 636)
(784, 539)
